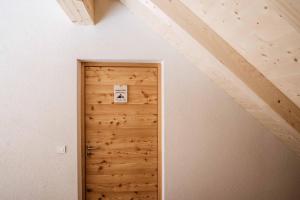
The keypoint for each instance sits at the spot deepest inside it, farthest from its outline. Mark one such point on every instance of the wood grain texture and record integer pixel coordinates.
(125, 195)
(190, 35)
(138, 94)
(122, 159)
(122, 165)
(81, 130)
(290, 9)
(130, 76)
(130, 109)
(261, 33)
(79, 11)
(232, 59)
(96, 122)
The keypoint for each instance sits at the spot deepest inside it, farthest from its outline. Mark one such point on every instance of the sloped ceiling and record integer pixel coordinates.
(239, 34)
(261, 33)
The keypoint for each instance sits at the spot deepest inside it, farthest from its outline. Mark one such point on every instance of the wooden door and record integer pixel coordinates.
(121, 141)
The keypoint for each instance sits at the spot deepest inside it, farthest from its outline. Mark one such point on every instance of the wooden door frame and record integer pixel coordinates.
(81, 64)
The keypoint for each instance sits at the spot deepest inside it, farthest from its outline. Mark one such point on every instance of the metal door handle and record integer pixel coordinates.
(90, 148)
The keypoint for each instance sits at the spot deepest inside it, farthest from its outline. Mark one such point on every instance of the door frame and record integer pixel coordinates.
(81, 64)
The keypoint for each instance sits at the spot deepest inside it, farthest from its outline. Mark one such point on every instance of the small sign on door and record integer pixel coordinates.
(120, 93)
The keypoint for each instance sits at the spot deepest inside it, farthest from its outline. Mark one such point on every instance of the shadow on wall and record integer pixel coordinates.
(102, 7)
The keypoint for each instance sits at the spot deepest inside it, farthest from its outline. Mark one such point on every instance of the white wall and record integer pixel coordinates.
(214, 150)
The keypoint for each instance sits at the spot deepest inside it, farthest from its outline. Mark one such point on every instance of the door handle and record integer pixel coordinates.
(90, 148)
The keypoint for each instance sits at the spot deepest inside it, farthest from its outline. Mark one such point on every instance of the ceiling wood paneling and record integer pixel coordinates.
(242, 51)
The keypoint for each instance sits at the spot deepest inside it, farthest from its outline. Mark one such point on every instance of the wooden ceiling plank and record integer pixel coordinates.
(233, 72)
(290, 10)
(232, 59)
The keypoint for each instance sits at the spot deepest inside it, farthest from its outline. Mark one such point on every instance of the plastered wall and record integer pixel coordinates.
(213, 148)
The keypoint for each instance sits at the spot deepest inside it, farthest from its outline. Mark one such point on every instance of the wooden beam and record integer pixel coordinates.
(289, 9)
(232, 59)
(223, 64)
(79, 11)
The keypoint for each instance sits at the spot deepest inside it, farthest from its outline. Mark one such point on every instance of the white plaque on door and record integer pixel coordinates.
(120, 93)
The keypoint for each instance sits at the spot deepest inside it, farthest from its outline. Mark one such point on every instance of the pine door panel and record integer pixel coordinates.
(121, 140)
